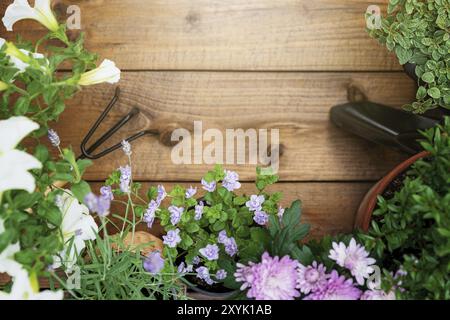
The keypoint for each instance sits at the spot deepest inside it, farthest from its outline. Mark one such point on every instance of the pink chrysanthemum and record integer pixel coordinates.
(336, 288)
(311, 278)
(378, 295)
(271, 279)
(355, 258)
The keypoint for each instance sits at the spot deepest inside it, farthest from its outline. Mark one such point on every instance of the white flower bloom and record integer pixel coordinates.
(24, 288)
(77, 227)
(106, 72)
(21, 10)
(14, 164)
(7, 263)
(20, 58)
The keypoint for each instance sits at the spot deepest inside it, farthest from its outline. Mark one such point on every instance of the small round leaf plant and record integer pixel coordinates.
(418, 31)
(209, 230)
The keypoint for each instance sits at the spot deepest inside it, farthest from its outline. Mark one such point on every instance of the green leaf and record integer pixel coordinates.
(80, 190)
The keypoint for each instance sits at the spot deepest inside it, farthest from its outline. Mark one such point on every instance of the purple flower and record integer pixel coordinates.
(355, 258)
(209, 186)
(203, 273)
(125, 178)
(280, 213)
(210, 252)
(199, 211)
(221, 274)
(190, 192)
(126, 147)
(336, 288)
(172, 239)
(175, 214)
(261, 218)
(154, 263)
(222, 238)
(161, 194)
(231, 247)
(255, 203)
(100, 205)
(271, 279)
(231, 181)
(196, 260)
(182, 268)
(149, 216)
(106, 192)
(311, 278)
(54, 138)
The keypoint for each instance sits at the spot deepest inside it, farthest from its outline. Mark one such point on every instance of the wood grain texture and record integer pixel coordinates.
(226, 35)
(298, 104)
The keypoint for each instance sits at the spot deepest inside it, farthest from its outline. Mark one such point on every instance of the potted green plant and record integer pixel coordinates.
(407, 219)
(418, 33)
(207, 236)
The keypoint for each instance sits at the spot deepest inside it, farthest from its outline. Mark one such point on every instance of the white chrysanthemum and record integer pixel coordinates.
(21, 10)
(14, 164)
(77, 227)
(7, 263)
(355, 258)
(106, 72)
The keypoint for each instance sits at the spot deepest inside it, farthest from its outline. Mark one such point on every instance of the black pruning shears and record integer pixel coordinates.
(382, 124)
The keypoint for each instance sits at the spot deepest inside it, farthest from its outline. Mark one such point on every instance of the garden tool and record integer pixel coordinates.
(87, 152)
(382, 124)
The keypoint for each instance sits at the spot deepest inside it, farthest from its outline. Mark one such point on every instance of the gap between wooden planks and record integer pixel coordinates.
(298, 104)
(226, 35)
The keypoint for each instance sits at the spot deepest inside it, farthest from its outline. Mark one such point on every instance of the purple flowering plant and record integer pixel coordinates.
(216, 226)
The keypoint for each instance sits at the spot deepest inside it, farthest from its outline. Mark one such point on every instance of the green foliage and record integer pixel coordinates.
(410, 231)
(418, 31)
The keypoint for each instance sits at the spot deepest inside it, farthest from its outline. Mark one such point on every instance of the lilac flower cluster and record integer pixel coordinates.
(209, 186)
(199, 211)
(210, 252)
(190, 192)
(203, 274)
(154, 262)
(126, 148)
(231, 247)
(150, 213)
(175, 214)
(125, 178)
(172, 238)
(261, 218)
(183, 268)
(100, 204)
(54, 138)
(231, 181)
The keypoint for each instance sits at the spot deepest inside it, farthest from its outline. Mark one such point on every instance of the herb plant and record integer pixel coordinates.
(418, 31)
(411, 230)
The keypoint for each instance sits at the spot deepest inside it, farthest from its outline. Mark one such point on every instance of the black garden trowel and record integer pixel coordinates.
(383, 125)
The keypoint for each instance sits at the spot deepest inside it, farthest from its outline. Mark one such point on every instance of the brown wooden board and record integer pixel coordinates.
(226, 35)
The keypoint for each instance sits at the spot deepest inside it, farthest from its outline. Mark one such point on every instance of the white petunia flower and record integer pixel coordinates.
(26, 288)
(21, 10)
(7, 263)
(14, 164)
(106, 72)
(77, 227)
(20, 58)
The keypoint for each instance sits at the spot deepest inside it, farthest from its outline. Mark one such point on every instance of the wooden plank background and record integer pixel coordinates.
(241, 64)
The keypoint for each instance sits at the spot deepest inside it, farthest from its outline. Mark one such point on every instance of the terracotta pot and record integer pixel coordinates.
(368, 204)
